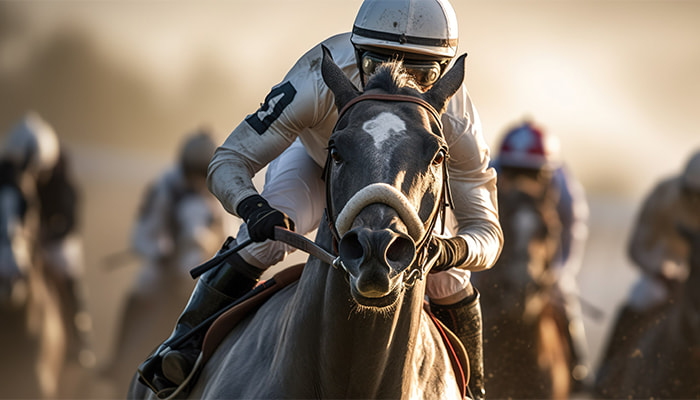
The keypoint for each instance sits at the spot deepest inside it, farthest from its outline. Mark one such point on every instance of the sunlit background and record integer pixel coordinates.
(123, 81)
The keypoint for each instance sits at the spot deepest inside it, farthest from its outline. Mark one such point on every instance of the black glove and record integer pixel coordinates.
(451, 252)
(261, 218)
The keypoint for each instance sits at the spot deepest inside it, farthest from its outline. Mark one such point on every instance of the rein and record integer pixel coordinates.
(422, 261)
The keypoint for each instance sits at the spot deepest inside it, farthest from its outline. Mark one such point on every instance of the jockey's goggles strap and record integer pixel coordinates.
(394, 97)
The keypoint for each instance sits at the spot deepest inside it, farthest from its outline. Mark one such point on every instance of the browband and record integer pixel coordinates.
(393, 97)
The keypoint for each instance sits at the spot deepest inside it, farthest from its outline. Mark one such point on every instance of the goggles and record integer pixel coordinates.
(425, 73)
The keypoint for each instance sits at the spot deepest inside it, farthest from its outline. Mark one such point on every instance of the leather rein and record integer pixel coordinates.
(422, 261)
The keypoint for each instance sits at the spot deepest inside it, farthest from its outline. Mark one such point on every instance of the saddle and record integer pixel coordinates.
(228, 320)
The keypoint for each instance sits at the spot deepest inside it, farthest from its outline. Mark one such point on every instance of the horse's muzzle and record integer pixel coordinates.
(375, 259)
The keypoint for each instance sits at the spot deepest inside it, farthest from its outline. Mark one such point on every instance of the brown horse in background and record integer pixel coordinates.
(526, 355)
(32, 334)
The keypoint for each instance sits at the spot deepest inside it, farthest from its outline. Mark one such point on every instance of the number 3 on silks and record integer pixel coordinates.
(275, 102)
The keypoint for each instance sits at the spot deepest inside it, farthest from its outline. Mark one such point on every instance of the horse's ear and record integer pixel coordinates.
(336, 80)
(447, 86)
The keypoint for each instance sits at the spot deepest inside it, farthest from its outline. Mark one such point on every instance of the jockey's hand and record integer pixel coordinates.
(262, 219)
(451, 252)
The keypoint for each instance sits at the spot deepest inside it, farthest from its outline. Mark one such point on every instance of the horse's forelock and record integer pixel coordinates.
(391, 78)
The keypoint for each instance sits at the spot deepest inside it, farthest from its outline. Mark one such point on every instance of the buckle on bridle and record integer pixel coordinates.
(419, 272)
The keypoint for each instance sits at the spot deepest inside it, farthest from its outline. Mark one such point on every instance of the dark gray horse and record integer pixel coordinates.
(32, 339)
(357, 332)
(662, 358)
(525, 354)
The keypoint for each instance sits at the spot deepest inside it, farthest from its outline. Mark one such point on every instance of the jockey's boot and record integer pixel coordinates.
(167, 368)
(464, 319)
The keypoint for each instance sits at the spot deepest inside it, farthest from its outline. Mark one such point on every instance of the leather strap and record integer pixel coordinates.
(393, 97)
(302, 243)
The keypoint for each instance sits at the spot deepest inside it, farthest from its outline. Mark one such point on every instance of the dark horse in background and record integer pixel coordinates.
(525, 352)
(359, 330)
(661, 359)
(32, 335)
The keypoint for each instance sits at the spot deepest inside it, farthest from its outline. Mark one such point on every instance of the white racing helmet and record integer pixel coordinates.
(421, 27)
(32, 145)
(691, 173)
(423, 33)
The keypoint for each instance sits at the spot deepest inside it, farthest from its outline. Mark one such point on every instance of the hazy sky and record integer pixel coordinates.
(618, 81)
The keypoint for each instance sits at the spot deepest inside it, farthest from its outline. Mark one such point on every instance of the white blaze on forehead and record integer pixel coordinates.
(383, 126)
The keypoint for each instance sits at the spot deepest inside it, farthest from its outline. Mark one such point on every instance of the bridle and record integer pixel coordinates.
(421, 264)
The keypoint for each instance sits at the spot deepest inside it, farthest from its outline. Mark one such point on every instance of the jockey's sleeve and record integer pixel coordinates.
(572, 209)
(473, 184)
(300, 106)
(655, 239)
(150, 236)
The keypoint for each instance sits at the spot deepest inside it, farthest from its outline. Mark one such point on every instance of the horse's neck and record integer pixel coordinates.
(351, 344)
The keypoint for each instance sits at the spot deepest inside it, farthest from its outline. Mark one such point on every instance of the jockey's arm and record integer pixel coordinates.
(300, 106)
(473, 186)
(651, 245)
(150, 236)
(573, 212)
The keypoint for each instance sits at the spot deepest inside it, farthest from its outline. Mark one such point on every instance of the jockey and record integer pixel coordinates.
(154, 237)
(289, 134)
(34, 148)
(527, 151)
(659, 250)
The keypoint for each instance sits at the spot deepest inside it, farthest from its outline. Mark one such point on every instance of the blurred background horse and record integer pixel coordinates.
(163, 286)
(661, 358)
(525, 352)
(32, 336)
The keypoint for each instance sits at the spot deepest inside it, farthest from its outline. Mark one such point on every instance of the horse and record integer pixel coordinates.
(525, 353)
(32, 337)
(162, 288)
(356, 330)
(662, 358)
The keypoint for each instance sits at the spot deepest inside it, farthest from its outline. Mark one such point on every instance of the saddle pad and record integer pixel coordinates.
(225, 323)
(456, 351)
(228, 320)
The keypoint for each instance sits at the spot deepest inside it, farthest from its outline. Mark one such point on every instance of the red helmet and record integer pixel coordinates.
(527, 146)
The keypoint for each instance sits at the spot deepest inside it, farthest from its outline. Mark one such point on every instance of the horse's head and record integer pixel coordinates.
(15, 247)
(386, 176)
(531, 232)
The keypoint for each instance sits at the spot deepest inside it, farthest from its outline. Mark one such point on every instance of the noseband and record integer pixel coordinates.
(422, 261)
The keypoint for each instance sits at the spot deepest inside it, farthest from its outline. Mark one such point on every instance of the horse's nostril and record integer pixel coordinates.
(400, 253)
(350, 247)
(400, 249)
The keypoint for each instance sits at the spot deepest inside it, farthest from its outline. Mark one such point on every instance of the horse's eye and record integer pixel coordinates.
(335, 155)
(439, 157)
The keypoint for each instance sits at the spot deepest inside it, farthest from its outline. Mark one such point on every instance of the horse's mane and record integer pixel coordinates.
(392, 78)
